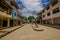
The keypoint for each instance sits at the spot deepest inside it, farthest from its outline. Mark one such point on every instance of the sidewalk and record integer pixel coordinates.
(6, 31)
(47, 25)
(53, 26)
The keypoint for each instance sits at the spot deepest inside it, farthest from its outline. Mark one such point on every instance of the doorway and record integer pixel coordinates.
(11, 23)
(0, 22)
(44, 21)
(4, 23)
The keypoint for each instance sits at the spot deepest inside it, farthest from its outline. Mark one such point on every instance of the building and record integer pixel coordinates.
(39, 18)
(8, 13)
(19, 17)
(51, 14)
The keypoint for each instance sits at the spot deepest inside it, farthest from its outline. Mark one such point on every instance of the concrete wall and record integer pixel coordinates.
(57, 20)
(50, 10)
(53, 18)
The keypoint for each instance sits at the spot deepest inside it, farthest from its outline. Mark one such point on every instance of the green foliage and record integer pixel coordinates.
(25, 19)
(31, 18)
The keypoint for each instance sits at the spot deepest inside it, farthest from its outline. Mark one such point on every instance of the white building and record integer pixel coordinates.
(51, 14)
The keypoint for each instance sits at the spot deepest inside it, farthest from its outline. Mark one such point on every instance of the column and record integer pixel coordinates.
(52, 21)
(8, 24)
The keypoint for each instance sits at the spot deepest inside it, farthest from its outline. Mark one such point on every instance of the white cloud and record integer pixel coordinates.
(26, 14)
(31, 5)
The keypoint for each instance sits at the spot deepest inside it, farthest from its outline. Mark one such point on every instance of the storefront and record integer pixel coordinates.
(15, 17)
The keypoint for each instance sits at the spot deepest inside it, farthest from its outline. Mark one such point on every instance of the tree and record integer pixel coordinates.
(31, 18)
(25, 19)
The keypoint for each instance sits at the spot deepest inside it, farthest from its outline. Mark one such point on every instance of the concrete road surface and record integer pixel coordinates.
(27, 33)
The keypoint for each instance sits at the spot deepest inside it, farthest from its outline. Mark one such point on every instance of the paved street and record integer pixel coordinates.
(27, 33)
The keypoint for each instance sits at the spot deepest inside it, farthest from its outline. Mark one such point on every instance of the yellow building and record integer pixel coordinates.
(51, 14)
(6, 19)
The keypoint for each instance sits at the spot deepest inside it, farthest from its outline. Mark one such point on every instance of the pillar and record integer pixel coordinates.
(8, 24)
(52, 21)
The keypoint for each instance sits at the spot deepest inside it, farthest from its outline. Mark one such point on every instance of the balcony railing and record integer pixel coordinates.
(5, 15)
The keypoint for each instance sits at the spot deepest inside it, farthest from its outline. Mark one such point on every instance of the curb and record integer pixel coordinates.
(37, 29)
(9, 32)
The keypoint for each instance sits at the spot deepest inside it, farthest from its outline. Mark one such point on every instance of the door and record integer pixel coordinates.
(0, 22)
(4, 23)
(11, 23)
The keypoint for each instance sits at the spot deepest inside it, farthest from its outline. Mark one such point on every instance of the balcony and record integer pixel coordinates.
(4, 15)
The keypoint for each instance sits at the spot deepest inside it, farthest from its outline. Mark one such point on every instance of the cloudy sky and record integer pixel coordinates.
(31, 7)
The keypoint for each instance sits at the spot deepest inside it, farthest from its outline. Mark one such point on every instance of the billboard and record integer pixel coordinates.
(14, 14)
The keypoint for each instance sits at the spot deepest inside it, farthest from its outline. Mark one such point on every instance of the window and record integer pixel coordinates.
(56, 10)
(43, 11)
(9, 11)
(15, 14)
(48, 14)
(55, 2)
(43, 15)
(11, 3)
(2, 7)
(48, 7)
(40, 17)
